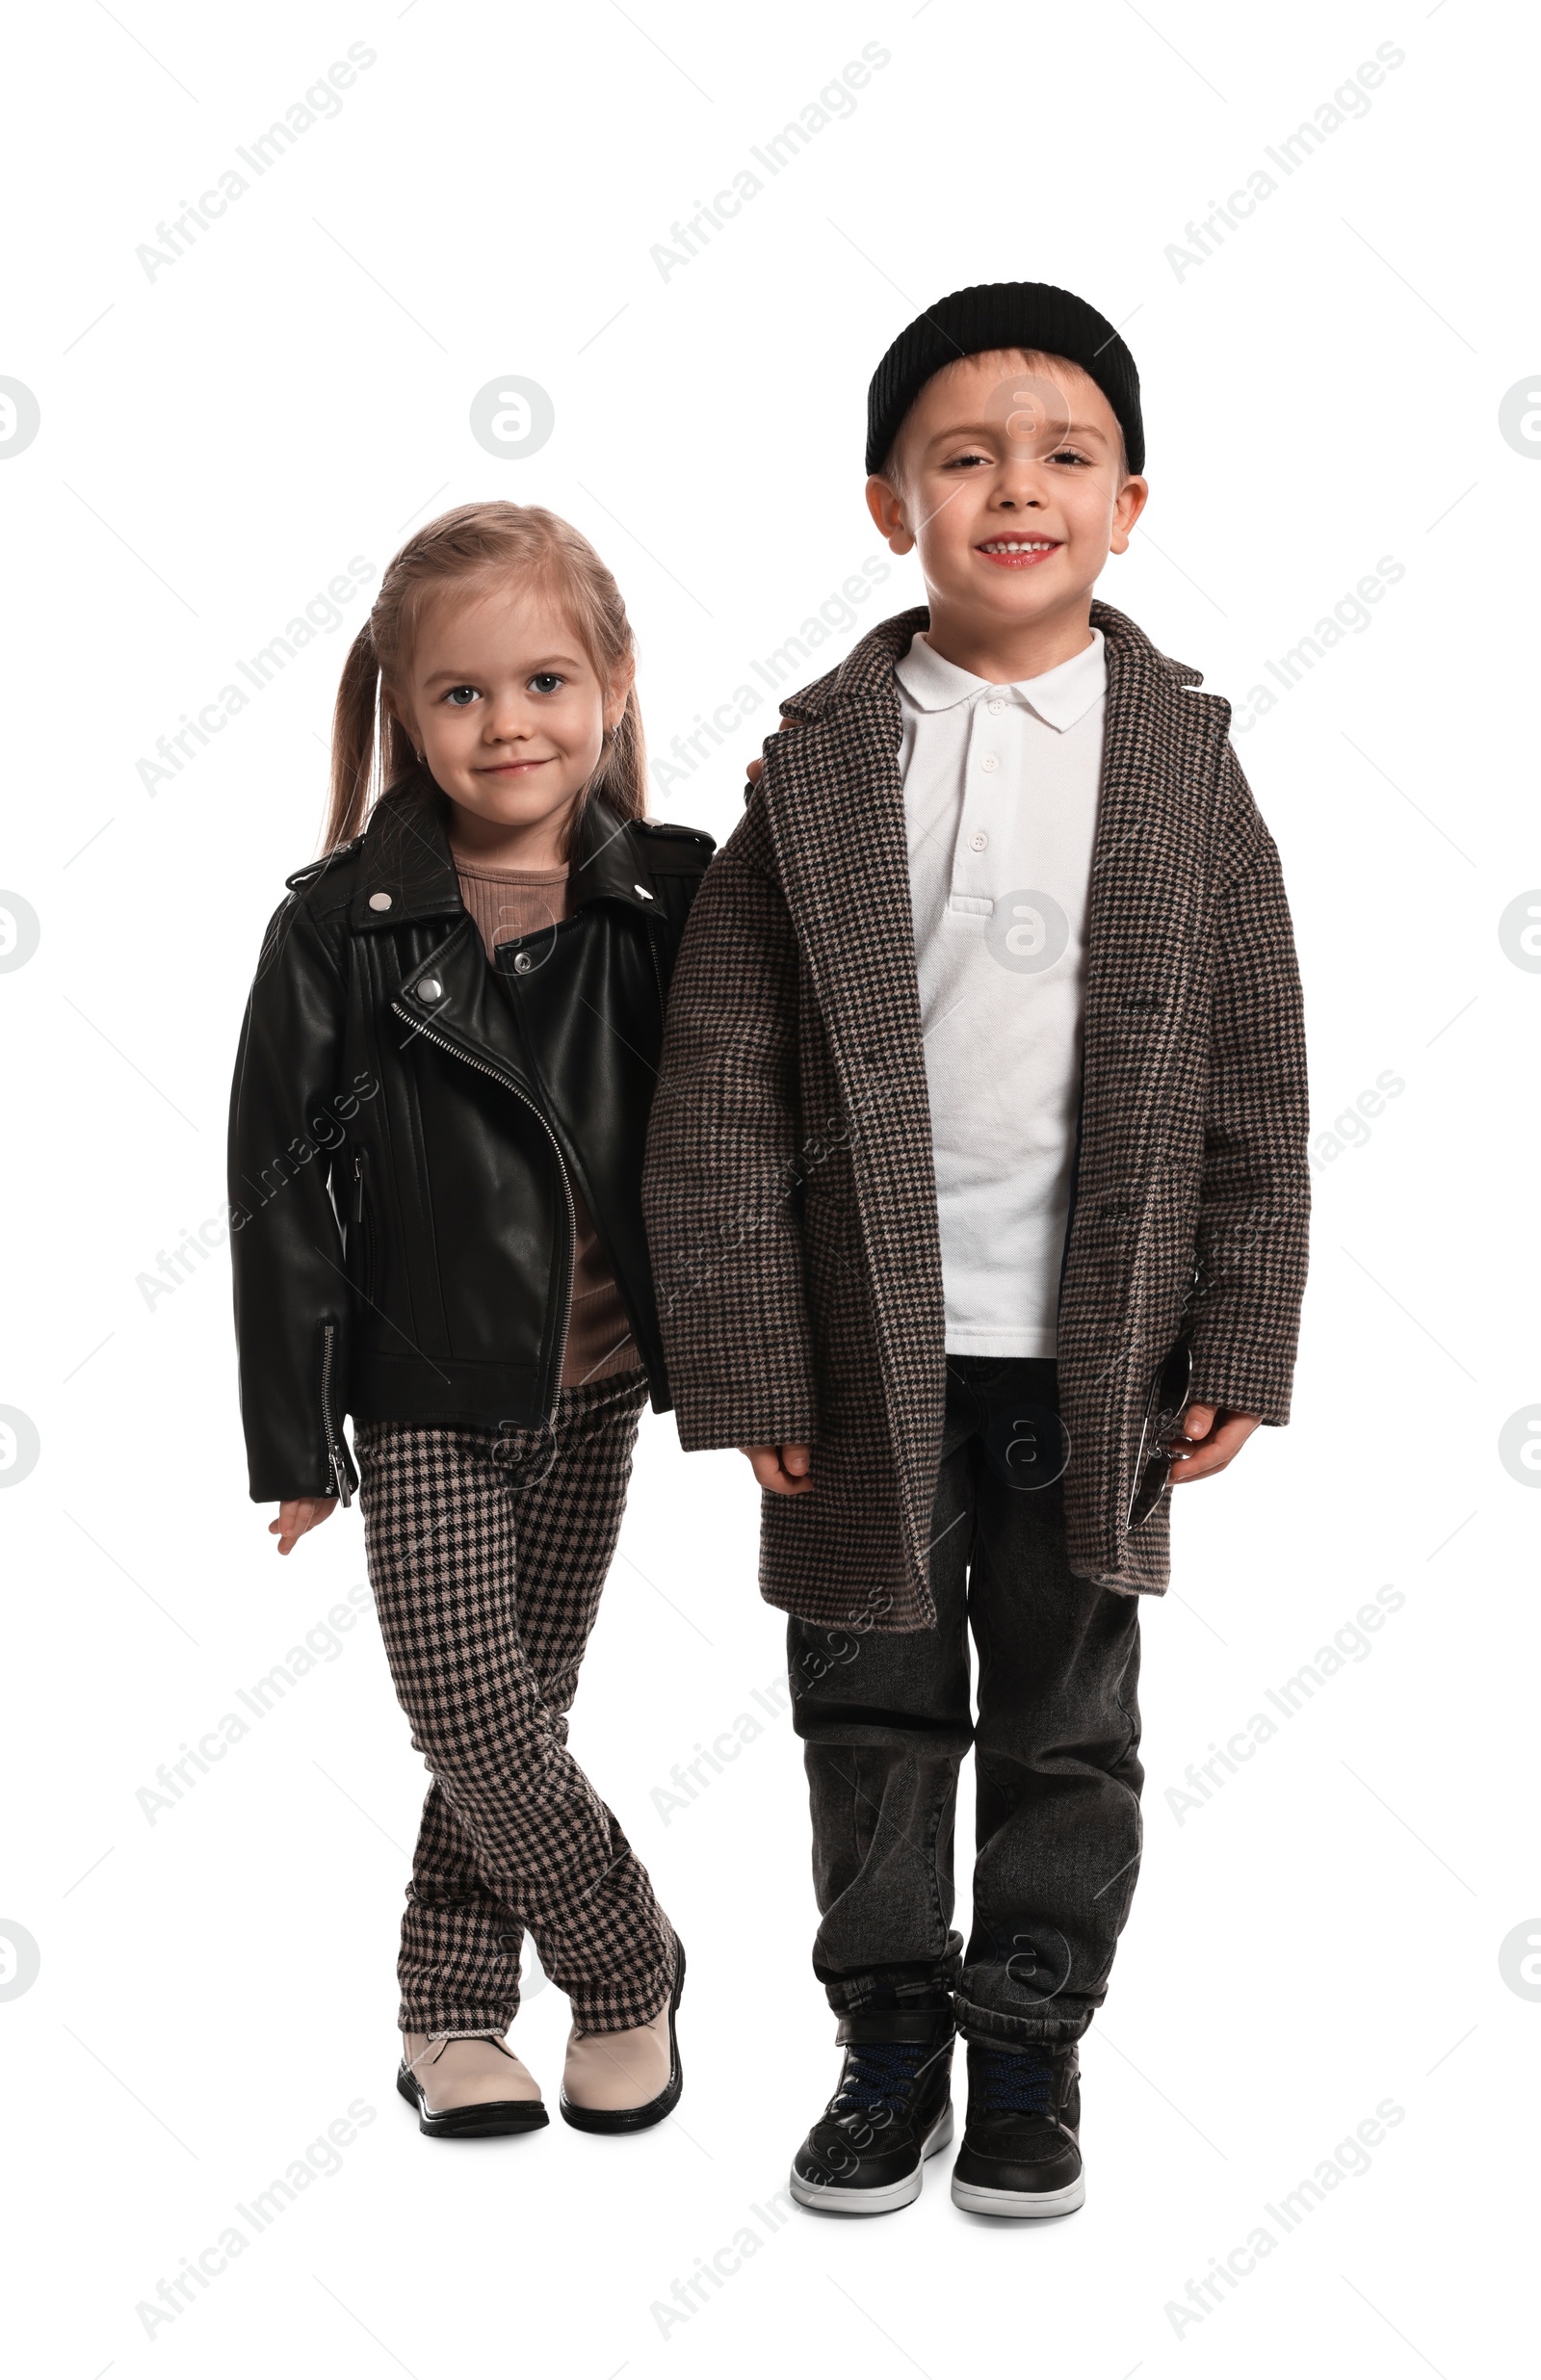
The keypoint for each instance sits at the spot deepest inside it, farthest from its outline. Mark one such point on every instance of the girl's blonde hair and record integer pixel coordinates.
(481, 544)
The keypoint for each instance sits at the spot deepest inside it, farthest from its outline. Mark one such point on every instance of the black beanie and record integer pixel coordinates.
(973, 322)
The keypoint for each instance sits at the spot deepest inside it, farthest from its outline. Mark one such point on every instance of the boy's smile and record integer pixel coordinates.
(1007, 476)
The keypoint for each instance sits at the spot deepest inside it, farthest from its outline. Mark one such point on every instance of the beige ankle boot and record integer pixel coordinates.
(468, 2089)
(623, 2082)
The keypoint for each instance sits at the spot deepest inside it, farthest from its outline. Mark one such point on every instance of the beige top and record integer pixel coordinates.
(509, 904)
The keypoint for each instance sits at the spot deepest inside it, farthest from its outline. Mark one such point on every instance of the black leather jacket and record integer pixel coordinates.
(406, 1123)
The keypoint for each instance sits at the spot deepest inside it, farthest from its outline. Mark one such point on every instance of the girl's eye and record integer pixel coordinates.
(547, 682)
(457, 697)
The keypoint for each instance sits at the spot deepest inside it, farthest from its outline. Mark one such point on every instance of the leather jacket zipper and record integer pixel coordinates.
(441, 1042)
(345, 1478)
(365, 1273)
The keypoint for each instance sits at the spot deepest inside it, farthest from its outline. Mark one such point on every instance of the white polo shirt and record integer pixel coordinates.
(1001, 786)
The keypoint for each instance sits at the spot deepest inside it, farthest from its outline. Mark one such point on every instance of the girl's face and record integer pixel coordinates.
(507, 710)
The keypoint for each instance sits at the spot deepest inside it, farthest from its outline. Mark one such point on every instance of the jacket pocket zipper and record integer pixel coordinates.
(362, 1226)
(345, 1478)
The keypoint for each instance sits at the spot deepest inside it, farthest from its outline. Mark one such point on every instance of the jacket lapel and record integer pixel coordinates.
(449, 995)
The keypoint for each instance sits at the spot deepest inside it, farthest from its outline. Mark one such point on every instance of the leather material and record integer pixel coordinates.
(607, 2071)
(1031, 2152)
(407, 1118)
(873, 2132)
(893, 2025)
(627, 2081)
(468, 2089)
(465, 2074)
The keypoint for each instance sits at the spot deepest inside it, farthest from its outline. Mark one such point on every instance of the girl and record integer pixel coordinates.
(435, 1152)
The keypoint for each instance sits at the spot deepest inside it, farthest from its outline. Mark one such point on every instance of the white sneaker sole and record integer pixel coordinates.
(885, 2200)
(976, 2200)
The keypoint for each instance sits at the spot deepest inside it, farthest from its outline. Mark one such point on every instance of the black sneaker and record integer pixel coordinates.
(1020, 2152)
(892, 2111)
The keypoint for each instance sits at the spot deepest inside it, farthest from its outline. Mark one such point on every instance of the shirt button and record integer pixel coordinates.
(989, 763)
(995, 706)
(979, 840)
(380, 901)
(431, 988)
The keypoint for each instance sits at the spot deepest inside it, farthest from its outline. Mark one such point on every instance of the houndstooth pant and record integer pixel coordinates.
(488, 1553)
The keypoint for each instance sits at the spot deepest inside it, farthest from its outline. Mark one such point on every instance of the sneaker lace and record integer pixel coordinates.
(880, 2074)
(1017, 2082)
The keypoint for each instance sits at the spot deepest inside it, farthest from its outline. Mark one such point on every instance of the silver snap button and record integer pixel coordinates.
(380, 901)
(989, 763)
(979, 840)
(995, 706)
(523, 962)
(642, 890)
(431, 988)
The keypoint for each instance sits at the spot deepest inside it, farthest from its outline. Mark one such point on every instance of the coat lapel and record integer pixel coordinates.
(1144, 928)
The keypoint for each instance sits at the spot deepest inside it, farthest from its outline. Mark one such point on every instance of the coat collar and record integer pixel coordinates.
(866, 671)
(407, 870)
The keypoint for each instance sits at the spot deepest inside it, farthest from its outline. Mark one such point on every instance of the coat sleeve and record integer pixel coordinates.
(1255, 1189)
(290, 1292)
(720, 1175)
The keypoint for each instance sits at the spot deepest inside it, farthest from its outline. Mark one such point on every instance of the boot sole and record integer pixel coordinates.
(487, 2120)
(885, 2199)
(653, 2110)
(975, 2199)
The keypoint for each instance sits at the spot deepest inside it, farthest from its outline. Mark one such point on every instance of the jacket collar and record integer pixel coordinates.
(408, 869)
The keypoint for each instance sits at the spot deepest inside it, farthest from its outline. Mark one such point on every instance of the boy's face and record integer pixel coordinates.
(1008, 477)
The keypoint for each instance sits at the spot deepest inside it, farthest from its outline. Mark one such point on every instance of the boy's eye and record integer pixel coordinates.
(457, 697)
(547, 682)
(968, 463)
(1068, 454)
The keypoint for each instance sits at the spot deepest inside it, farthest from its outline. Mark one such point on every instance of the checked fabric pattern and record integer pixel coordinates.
(487, 1554)
(788, 1190)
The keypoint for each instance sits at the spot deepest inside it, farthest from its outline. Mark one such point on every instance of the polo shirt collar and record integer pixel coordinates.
(1060, 697)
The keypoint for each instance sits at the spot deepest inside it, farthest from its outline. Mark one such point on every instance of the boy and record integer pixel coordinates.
(977, 1193)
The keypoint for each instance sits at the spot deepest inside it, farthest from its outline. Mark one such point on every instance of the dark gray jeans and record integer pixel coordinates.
(886, 1720)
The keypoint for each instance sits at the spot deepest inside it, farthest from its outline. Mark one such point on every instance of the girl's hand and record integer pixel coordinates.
(1211, 1438)
(298, 1515)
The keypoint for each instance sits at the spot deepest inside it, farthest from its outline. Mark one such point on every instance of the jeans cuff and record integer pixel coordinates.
(915, 1985)
(1053, 2027)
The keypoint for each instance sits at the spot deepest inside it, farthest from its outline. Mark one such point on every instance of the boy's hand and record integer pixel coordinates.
(1216, 1436)
(782, 1469)
(299, 1514)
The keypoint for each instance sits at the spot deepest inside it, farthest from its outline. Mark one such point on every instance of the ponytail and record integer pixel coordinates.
(622, 779)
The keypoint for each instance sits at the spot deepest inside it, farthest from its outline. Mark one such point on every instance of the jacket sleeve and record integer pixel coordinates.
(1255, 1190)
(718, 1184)
(292, 1297)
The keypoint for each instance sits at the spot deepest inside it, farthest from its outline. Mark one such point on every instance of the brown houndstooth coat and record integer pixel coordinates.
(790, 1196)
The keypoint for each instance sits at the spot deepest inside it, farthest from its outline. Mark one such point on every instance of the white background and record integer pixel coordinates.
(217, 440)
